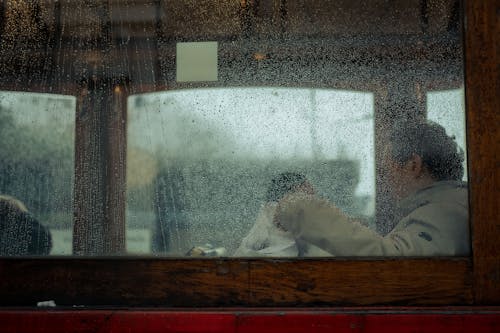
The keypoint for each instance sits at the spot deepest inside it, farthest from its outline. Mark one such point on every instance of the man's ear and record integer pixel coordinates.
(415, 165)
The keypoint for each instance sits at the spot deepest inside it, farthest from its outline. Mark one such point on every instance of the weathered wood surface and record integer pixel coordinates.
(232, 282)
(483, 116)
(100, 154)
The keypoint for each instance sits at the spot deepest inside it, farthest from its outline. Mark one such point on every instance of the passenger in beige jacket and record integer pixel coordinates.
(423, 170)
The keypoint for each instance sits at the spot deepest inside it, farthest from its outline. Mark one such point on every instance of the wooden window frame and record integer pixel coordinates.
(120, 281)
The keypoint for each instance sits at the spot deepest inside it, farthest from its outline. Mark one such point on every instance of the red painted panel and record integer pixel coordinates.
(387, 323)
(115, 321)
(242, 321)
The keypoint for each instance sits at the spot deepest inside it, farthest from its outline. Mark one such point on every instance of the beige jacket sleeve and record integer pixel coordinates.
(322, 224)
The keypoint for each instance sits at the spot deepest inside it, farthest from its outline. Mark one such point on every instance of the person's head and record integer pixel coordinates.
(418, 154)
(20, 232)
(287, 182)
(10, 206)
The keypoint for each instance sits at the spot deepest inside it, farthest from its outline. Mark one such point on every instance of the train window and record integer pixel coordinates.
(37, 135)
(198, 156)
(331, 120)
(203, 164)
(285, 129)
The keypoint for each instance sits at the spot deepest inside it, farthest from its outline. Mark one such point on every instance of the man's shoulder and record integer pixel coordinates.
(441, 192)
(452, 192)
(443, 203)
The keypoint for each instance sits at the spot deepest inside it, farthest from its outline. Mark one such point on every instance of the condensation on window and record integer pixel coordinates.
(37, 135)
(200, 161)
(232, 105)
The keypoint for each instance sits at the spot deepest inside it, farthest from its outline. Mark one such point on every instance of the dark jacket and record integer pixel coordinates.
(22, 235)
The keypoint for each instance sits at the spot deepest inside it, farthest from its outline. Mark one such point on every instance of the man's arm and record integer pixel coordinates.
(322, 224)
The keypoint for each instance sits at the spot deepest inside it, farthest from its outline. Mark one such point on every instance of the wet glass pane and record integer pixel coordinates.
(36, 174)
(447, 108)
(242, 128)
(201, 162)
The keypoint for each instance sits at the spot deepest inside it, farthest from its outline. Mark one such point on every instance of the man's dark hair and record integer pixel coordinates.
(439, 152)
(282, 184)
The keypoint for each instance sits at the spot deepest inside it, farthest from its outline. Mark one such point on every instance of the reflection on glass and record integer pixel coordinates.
(200, 161)
(36, 173)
